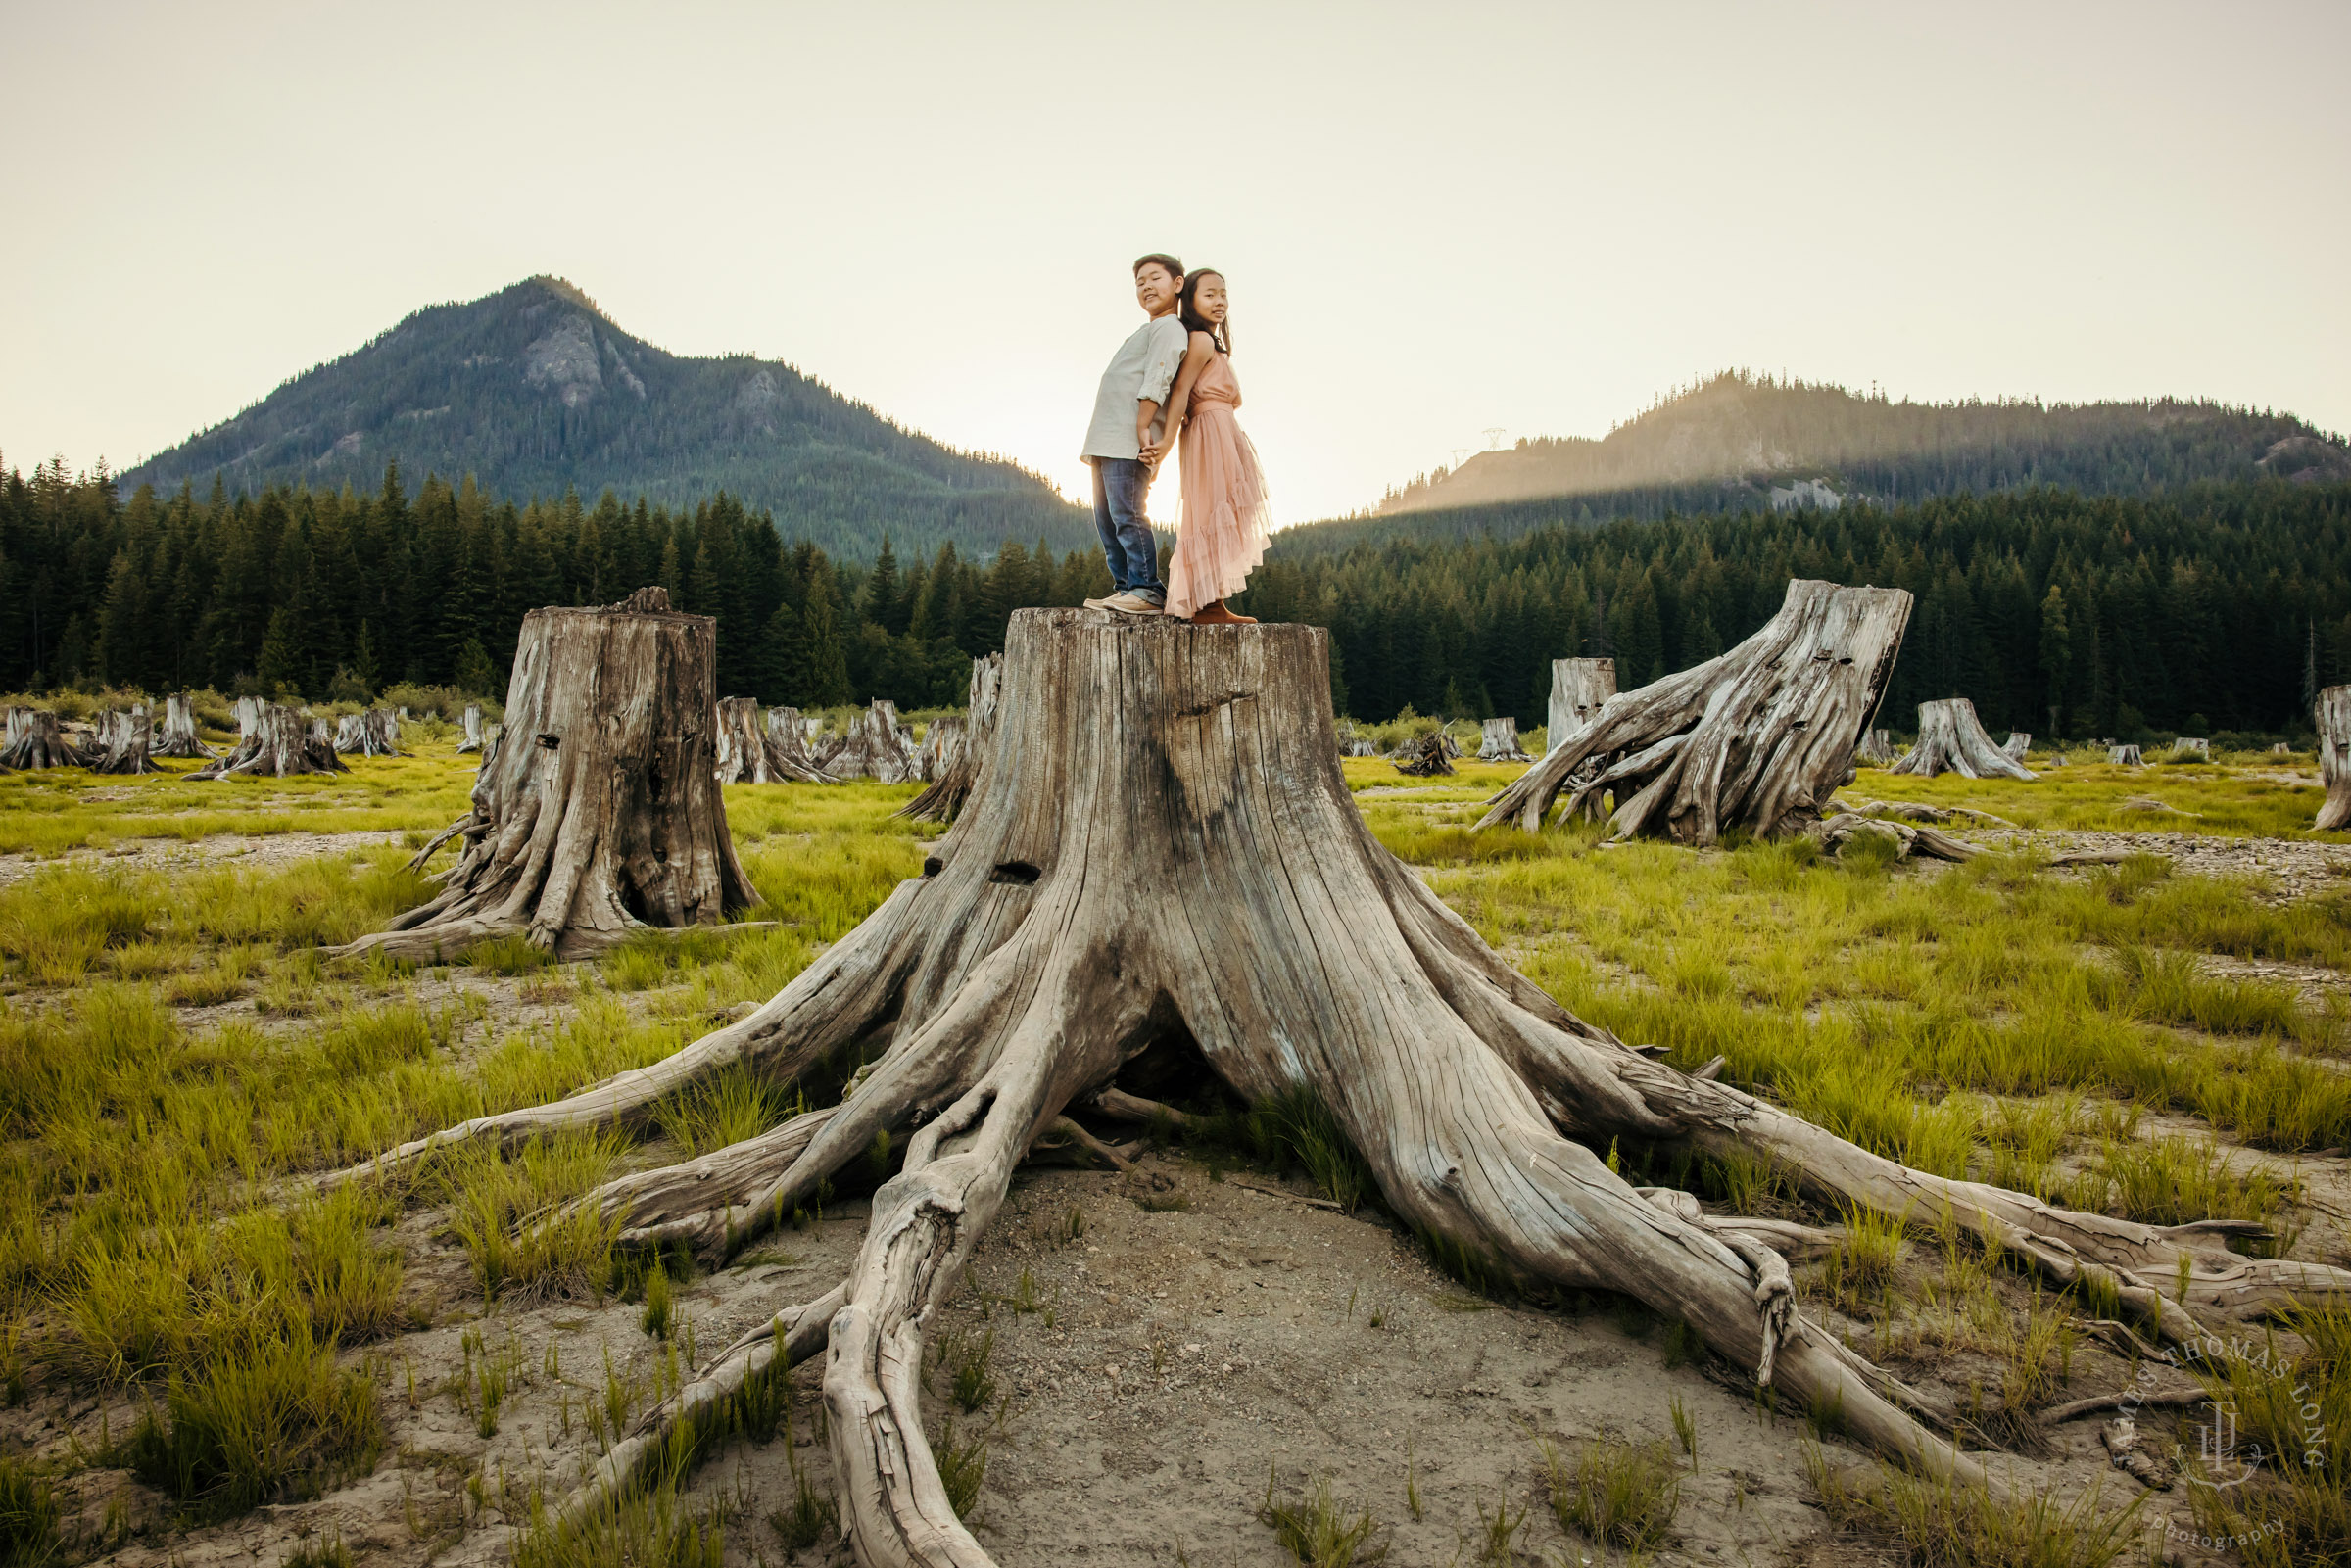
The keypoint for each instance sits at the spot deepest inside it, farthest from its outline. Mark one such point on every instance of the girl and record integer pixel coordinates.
(1226, 519)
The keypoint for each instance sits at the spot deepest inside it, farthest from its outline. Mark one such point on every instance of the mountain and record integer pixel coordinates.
(1741, 443)
(534, 390)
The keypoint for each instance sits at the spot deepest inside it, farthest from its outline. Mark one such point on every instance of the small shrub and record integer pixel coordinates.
(271, 1419)
(1941, 1524)
(27, 1517)
(1316, 1530)
(1616, 1494)
(962, 1467)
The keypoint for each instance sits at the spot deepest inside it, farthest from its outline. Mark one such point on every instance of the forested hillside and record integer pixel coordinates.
(2213, 609)
(1725, 444)
(533, 390)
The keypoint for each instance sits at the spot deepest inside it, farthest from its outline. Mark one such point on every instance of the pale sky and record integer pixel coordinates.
(1435, 219)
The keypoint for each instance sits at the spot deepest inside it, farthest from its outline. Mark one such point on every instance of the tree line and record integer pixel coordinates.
(2218, 608)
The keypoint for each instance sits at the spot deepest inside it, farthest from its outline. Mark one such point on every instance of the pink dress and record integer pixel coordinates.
(1227, 520)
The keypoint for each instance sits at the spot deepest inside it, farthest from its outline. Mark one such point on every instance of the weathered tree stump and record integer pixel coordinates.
(953, 785)
(741, 749)
(2199, 744)
(1162, 852)
(1758, 738)
(876, 746)
(2333, 714)
(279, 747)
(1498, 742)
(2126, 757)
(249, 717)
(600, 815)
(1876, 749)
(38, 740)
(1579, 690)
(176, 737)
(472, 723)
(787, 747)
(2019, 742)
(122, 743)
(372, 733)
(943, 743)
(1353, 743)
(1425, 756)
(1951, 739)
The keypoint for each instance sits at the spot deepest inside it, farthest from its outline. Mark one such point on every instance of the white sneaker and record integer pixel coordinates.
(1130, 604)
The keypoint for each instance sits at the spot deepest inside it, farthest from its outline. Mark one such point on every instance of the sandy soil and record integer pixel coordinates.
(178, 854)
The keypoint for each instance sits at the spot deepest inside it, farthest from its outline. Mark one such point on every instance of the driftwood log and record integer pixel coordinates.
(38, 740)
(1876, 749)
(2333, 714)
(2126, 757)
(1498, 742)
(177, 736)
(599, 815)
(1757, 738)
(1579, 690)
(950, 787)
(472, 724)
(123, 741)
(1425, 756)
(280, 745)
(876, 746)
(1951, 739)
(1162, 857)
(2019, 742)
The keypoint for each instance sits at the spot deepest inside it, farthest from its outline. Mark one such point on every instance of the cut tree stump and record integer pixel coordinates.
(1579, 690)
(177, 736)
(2198, 744)
(943, 743)
(1427, 757)
(472, 723)
(787, 747)
(741, 748)
(1951, 739)
(1876, 749)
(37, 740)
(1163, 856)
(1498, 742)
(2333, 713)
(372, 733)
(2019, 742)
(122, 742)
(2126, 757)
(876, 746)
(599, 816)
(249, 717)
(280, 747)
(1757, 738)
(951, 787)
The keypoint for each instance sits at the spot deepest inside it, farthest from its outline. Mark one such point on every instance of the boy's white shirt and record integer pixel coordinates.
(1144, 367)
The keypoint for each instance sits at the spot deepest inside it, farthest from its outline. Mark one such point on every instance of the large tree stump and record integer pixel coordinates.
(2019, 742)
(1425, 756)
(876, 746)
(1757, 738)
(2125, 757)
(943, 743)
(2333, 714)
(280, 745)
(1876, 749)
(741, 749)
(2199, 744)
(599, 815)
(249, 717)
(122, 743)
(472, 724)
(176, 737)
(1163, 852)
(372, 733)
(787, 747)
(1951, 739)
(952, 785)
(1579, 690)
(37, 740)
(1498, 742)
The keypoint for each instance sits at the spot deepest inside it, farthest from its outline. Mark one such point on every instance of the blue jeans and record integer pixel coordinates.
(1120, 485)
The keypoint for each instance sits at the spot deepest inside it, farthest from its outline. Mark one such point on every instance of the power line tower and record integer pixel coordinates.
(1494, 435)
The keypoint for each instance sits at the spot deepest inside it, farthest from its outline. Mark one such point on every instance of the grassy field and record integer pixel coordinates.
(173, 1047)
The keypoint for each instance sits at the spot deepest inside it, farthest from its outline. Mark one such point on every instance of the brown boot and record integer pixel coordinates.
(1214, 613)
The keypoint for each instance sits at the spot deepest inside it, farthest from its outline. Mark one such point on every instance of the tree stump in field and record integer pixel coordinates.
(472, 723)
(2019, 742)
(953, 785)
(2198, 744)
(1876, 749)
(1425, 756)
(2333, 713)
(178, 736)
(599, 814)
(742, 750)
(1162, 855)
(943, 743)
(280, 745)
(1757, 738)
(372, 733)
(1951, 739)
(1499, 742)
(249, 717)
(2126, 757)
(876, 746)
(787, 747)
(122, 743)
(1353, 743)
(1579, 690)
(351, 734)
(37, 740)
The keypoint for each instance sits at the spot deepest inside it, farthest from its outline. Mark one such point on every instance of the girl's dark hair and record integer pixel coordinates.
(1187, 311)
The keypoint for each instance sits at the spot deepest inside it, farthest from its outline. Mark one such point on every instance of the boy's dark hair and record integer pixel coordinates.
(1173, 267)
(1187, 311)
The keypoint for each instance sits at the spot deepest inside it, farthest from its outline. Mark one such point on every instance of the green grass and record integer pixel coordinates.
(1616, 1494)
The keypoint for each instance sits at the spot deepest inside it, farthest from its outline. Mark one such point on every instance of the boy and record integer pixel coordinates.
(1126, 408)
